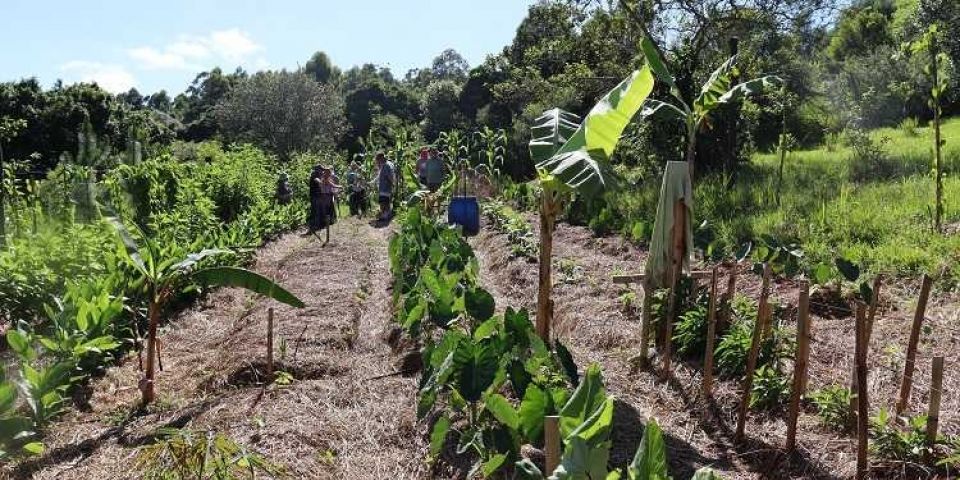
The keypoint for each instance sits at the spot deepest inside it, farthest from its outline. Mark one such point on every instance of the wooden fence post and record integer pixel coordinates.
(908, 366)
(800, 363)
(667, 328)
(646, 318)
(754, 353)
(863, 405)
(727, 313)
(270, 343)
(711, 336)
(551, 442)
(874, 306)
(936, 390)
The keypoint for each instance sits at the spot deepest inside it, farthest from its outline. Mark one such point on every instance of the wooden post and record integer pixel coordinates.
(752, 358)
(666, 332)
(711, 336)
(874, 306)
(863, 405)
(270, 343)
(727, 309)
(677, 253)
(800, 363)
(551, 442)
(646, 317)
(907, 381)
(936, 390)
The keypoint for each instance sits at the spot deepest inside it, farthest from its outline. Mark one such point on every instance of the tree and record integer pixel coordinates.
(860, 31)
(321, 69)
(160, 101)
(450, 65)
(283, 112)
(441, 108)
(196, 107)
(132, 98)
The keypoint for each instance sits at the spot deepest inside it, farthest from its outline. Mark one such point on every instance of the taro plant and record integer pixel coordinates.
(572, 157)
(163, 277)
(16, 430)
(718, 90)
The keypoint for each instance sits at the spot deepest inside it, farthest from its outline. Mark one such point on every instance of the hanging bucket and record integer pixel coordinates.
(464, 210)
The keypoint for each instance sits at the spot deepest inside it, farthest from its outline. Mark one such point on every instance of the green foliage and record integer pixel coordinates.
(185, 454)
(734, 346)
(771, 388)
(509, 222)
(833, 406)
(891, 442)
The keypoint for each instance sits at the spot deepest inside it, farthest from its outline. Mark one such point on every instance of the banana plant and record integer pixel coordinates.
(718, 90)
(162, 278)
(573, 157)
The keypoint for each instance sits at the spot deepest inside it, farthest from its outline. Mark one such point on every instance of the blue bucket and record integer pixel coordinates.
(465, 211)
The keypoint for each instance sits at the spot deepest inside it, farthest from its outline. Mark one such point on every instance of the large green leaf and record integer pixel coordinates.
(8, 397)
(581, 461)
(550, 131)
(476, 366)
(595, 430)
(130, 248)
(438, 436)
(532, 410)
(706, 473)
(239, 277)
(650, 462)
(716, 86)
(586, 399)
(194, 258)
(581, 163)
(659, 68)
(654, 109)
(500, 407)
(751, 87)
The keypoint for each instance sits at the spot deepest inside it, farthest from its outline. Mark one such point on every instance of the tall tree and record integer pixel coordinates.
(283, 112)
(322, 69)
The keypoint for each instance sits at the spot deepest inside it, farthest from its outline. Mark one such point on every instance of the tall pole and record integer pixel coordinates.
(731, 160)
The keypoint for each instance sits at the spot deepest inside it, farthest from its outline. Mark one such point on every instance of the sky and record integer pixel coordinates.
(164, 44)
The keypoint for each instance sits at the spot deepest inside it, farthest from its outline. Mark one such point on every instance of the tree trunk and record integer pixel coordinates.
(544, 303)
(691, 153)
(147, 384)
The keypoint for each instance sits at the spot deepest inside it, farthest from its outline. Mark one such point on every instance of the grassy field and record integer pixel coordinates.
(877, 211)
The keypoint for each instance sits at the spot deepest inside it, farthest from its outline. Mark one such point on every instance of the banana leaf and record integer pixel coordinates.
(751, 87)
(716, 86)
(239, 277)
(551, 130)
(581, 163)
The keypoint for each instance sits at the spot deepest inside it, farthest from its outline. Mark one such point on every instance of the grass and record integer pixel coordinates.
(884, 220)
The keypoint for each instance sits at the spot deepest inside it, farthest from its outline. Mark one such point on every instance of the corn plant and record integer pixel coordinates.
(572, 157)
(164, 277)
(718, 90)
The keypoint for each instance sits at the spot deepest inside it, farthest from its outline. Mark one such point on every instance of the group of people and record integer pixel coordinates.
(325, 187)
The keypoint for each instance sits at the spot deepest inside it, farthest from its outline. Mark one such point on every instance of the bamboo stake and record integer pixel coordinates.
(727, 309)
(667, 329)
(800, 364)
(711, 336)
(863, 405)
(752, 358)
(676, 268)
(874, 306)
(270, 343)
(936, 391)
(551, 442)
(908, 367)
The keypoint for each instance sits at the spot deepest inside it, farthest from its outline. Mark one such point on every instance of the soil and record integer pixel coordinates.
(350, 411)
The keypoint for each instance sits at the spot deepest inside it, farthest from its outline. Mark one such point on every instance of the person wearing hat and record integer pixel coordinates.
(357, 190)
(385, 186)
(434, 170)
(327, 198)
(284, 192)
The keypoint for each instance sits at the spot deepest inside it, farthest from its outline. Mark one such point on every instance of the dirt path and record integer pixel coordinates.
(331, 422)
(591, 319)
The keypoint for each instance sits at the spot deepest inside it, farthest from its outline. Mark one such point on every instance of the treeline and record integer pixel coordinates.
(843, 65)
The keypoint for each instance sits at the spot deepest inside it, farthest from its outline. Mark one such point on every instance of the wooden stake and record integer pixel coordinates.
(270, 343)
(711, 336)
(800, 364)
(727, 308)
(936, 390)
(666, 331)
(863, 405)
(548, 205)
(874, 306)
(646, 319)
(551, 442)
(752, 358)
(908, 366)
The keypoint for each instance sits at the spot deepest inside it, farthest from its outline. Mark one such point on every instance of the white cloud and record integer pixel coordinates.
(111, 77)
(232, 45)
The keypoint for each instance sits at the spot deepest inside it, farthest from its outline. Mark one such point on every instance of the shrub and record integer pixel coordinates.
(771, 387)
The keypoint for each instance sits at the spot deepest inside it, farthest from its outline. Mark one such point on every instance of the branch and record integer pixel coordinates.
(646, 32)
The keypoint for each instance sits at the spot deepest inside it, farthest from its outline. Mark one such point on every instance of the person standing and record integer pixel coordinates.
(328, 197)
(422, 165)
(357, 190)
(435, 171)
(385, 186)
(315, 181)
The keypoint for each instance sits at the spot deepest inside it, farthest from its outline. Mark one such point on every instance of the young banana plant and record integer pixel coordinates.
(718, 90)
(163, 278)
(573, 157)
